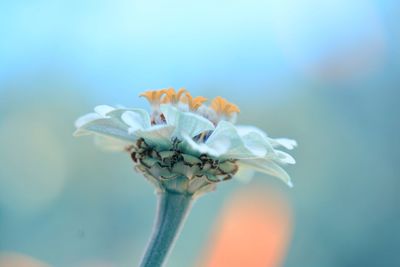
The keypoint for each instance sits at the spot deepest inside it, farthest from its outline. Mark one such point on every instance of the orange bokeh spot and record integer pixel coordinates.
(13, 259)
(253, 231)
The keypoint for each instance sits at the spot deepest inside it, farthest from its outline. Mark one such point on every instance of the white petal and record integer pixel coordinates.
(159, 135)
(208, 113)
(143, 116)
(108, 127)
(225, 133)
(86, 119)
(268, 167)
(223, 142)
(217, 150)
(284, 157)
(226, 136)
(103, 109)
(255, 139)
(285, 142)
(135, 120)
(246, 129)
(256, 144)
(244, 174)
(186, 123)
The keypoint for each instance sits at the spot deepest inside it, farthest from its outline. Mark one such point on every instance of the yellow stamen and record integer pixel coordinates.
(154, 96)
(224, 107)
(193, 103)
(172, 97)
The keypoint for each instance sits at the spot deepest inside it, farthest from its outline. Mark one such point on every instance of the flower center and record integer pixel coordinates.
(171, 97)
(223, 107)
(173, 163)
(220, 108)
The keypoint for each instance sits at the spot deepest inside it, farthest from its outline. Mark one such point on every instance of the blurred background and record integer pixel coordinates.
(325, 73)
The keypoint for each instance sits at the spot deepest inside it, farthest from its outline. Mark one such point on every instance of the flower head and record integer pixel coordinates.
(185, 145)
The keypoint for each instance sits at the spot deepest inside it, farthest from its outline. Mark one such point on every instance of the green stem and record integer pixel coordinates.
(172, 211)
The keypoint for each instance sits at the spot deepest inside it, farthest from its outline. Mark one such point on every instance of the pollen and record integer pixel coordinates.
(154, 96)
(193, 103)
(173, 97)
(223, 107)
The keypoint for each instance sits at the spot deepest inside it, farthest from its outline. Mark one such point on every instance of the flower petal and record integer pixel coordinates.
(117, 114)
(225, 133)
(225, 142)
(246, 129)
(108, 127)
(226, 136)
(216, 150)
(285, 142)
(255, 139)
(244, 174)
(256, 144)
(136, 119)
(268, 167)
(158, 136)
(103, 109)
(86, 119)
(284, 158)
(186, 123)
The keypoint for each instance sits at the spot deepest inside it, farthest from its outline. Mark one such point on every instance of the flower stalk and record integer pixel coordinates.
(172, 211)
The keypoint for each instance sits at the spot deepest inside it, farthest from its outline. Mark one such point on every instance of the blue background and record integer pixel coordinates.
(325, 73)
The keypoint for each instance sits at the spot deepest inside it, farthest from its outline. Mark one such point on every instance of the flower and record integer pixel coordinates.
(185, 145)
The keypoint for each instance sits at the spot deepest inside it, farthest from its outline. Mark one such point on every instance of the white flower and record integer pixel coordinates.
(184, 137)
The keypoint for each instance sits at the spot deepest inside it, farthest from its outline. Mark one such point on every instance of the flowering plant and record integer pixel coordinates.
(185, 148)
